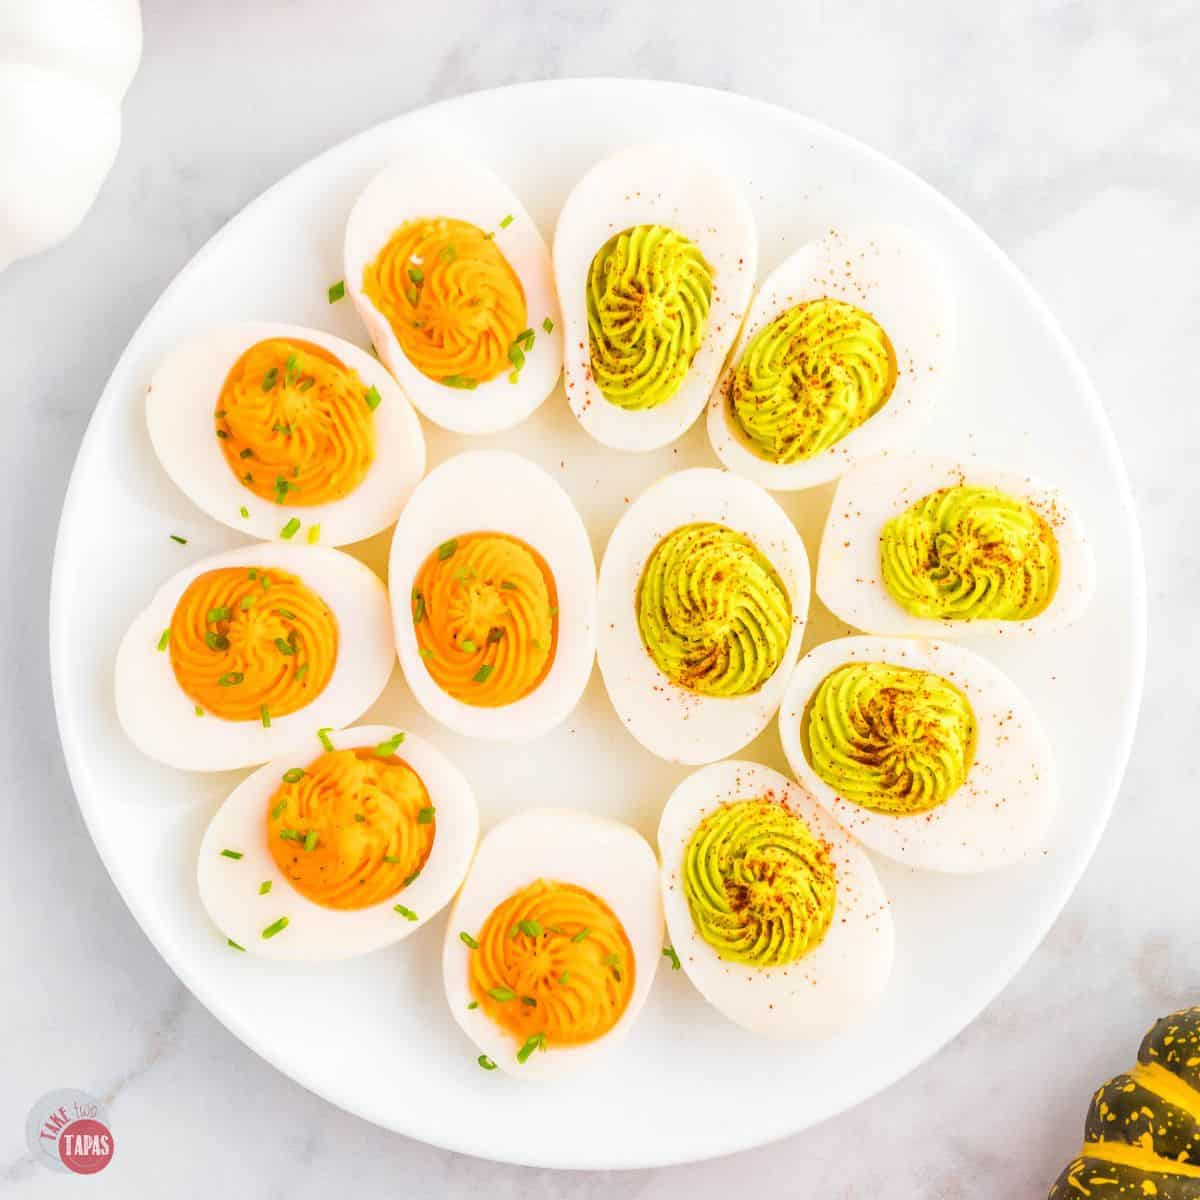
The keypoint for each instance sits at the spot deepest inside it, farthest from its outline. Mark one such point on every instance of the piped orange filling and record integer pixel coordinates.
(451, 297)
(353, 830)
(485, 612)
(553, 959)
(252, 643)
(296, 425)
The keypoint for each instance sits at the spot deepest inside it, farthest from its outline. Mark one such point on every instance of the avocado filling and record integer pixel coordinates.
(965, 553)
(760, 886)
(713, 613)
(892, 739)
(810, 377)
(648, 294)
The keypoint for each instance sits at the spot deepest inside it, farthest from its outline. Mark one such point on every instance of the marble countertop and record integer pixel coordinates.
(1070, 131)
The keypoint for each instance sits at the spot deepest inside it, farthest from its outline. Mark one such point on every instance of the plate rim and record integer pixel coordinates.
(1004, 970)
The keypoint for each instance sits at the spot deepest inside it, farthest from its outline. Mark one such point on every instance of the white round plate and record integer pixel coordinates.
(1019, 396)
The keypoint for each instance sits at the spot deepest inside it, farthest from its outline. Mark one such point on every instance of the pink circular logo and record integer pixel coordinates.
(85, 1147)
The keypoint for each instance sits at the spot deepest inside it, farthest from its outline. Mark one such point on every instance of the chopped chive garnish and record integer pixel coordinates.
(390, 746)
(536, 1042)
(554, 928)
(514, 377)
(502, 995)
(373, 398)
(222, 433)
(412, 297)
(289, 835)
(279, 427)
(481, 676)
(392, 858)
(289, 530)
(293, 775)
(512, 933)
(447, 548)
(425, 815)
(416, 274)
(554, 610)
(265, 715)
(285, 613)
(530, 928)
(166, 637)
(199, 711)
(245, 514)
(448, 253)
(359, 817)
(548, 325)
(269, 379)
(406, 913)
(277, 811)
(302, 670)
(494, 634)
(411, 878)
(247, 453)
(425, 652)
(337, 291)
(265, 580)
(463, 574)
(508, 585)
(231, 943)
(216, 641)
(585, 932)
(529, 1001)
(564, 977)
(516, 356)
(473, 1004)
(247, 601)
(284, 647)
(275, 927)
(217, 614)
(310, 840)
(252, 573)
(305, 384)
(483, 1060)
(323, 734)
(230, 679)
(264, 887)
(467, 646)
(460, 381)
(418, 608)
(669, 952)
(507, 221)
(468, 941)
(314, 534)
(234, 854)
(181, 540)
(291, 364)
(610, 960)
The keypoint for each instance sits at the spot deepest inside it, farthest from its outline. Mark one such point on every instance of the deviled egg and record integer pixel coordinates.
(776, 915)
(843, 354)
(285, 433)
(243, 654)
(348, 842)
(924, 751)
(553, 941)
(493, 597)
(453, 282)
(704, 592)
(654, 253)
(933, 547)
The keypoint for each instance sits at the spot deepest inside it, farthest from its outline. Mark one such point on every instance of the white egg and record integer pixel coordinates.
(849, 570)
(665, 186)
(162, 720)
(610, 861)
(248, 894)
(678, 723)
(494, 492)
(466, 317)
(1001, 811)
(833, 984)
(183, 397)
(883, 271)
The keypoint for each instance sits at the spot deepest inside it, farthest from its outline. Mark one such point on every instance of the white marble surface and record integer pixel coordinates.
(1070, 131)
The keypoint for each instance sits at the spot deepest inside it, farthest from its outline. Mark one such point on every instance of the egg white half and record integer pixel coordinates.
(849, 576)
(671, 721)
(833, 986)
(653, 185)
(495, 491)
(160, 718)
(888, 272)
(180, 402)
(610, 860)
(229, 888)
(1002, 811)
(429, 181)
